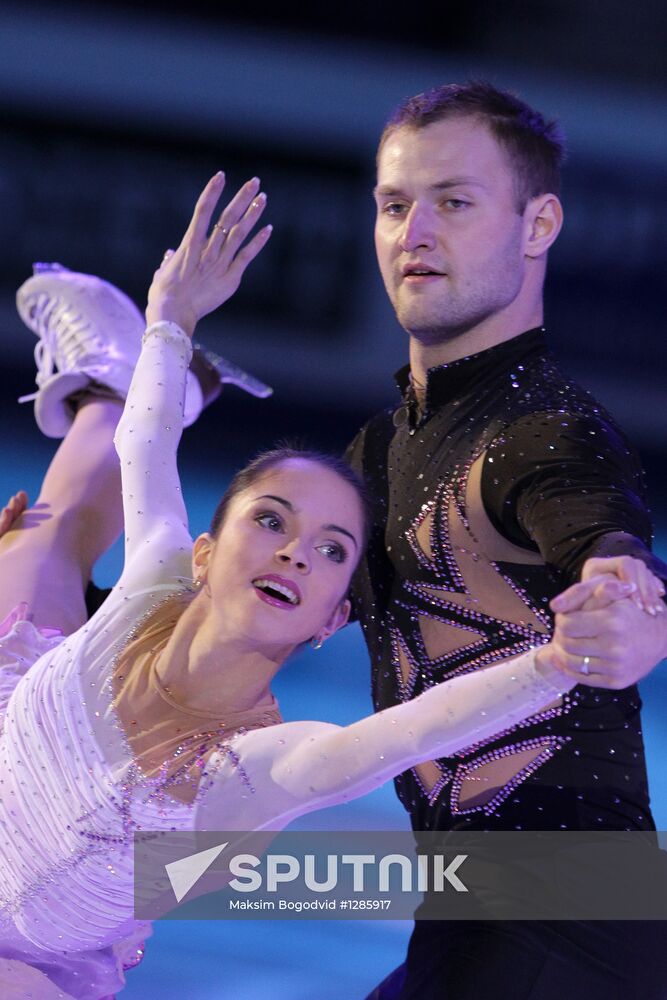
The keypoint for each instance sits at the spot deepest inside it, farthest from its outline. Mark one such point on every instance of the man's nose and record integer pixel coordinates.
(418, 231)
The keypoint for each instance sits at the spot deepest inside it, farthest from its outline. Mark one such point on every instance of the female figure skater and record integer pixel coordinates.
(157, 713)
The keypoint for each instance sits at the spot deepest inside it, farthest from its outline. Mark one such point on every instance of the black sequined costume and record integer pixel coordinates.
(489, 501)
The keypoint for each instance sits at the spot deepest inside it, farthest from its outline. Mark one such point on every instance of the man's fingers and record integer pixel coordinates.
(590, 673)
(588, 669)
(574, 598)
(584, 624)
(609, 591)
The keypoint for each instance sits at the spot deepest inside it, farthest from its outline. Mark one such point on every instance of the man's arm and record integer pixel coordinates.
(573, 489)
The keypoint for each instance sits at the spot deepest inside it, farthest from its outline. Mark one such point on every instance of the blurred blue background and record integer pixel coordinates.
(113, 119)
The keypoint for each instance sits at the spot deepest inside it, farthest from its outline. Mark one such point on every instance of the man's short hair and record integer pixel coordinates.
(534, 147)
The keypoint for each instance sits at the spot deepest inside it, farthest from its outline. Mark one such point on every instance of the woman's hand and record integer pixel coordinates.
(206, 269)
(13, 509)
(649, 590)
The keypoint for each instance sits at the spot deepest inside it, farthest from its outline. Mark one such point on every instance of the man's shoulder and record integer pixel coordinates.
(372, 440)
(547, 391)
(552, 419)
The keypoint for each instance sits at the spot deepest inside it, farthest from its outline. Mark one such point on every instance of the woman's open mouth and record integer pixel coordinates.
(277, 591)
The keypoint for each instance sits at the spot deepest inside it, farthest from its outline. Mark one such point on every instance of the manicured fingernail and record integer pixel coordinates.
(268, 230)
(219, 176)
(628, 588)
(259, 200)
(660, 608)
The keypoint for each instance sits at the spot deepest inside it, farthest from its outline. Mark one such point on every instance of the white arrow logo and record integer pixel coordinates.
(183, 874)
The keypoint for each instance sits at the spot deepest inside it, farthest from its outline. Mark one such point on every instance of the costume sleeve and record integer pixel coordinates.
(569, 486)
(298, 767)
(146, 440)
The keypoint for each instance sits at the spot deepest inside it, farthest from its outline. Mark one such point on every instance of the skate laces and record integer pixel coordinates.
(62, 342)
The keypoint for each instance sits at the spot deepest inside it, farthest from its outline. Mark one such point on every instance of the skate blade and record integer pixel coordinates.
(230, 373)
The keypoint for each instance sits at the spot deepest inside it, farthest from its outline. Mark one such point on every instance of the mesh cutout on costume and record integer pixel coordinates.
(525, 758)
(483, 781)
(440, 637)
(405, 665)
(431, 778)
(497, 595)
(469, 616)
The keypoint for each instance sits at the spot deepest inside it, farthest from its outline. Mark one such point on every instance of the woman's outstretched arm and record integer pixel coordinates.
(303, 766)
(191, 282)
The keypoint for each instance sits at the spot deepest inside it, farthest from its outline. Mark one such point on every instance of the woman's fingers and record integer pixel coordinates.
(14, 508)
(195, 236)
(250, 251)
(230, 217)
(206, 269)
(243, 227)
(649, 589)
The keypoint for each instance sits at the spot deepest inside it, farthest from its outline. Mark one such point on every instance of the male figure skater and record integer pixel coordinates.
(498, 483)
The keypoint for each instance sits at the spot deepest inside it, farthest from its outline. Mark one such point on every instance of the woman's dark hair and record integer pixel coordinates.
(268, 460)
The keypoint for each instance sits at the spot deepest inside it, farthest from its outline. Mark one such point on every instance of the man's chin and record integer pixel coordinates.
(425, 333)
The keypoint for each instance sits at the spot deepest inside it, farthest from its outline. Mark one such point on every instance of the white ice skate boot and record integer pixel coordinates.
(90, 332)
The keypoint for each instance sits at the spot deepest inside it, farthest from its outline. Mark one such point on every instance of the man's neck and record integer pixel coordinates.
(461, 345)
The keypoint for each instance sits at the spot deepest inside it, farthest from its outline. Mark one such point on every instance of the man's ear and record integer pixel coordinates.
(544, 219)
(201, 554)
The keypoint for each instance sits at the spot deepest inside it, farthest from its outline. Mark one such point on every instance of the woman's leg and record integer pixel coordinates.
(47, 555)
(89, 335)
(89, 338)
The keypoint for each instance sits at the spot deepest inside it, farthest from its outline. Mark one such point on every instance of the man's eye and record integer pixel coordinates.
(270, 521)
(394, 208)
(456, 203)
(333, 551)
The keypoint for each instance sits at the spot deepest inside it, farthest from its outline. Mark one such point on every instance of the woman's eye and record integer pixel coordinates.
(270, 521)
(333, 551)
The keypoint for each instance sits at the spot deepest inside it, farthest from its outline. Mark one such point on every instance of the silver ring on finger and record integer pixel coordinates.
(585, 667)
(223, 232)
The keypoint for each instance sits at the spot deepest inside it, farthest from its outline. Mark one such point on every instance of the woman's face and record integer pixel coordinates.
(281, 565)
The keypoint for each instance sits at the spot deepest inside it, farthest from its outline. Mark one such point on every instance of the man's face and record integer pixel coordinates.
(448, 235)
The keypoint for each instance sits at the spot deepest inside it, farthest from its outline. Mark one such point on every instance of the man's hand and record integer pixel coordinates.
(603, 635)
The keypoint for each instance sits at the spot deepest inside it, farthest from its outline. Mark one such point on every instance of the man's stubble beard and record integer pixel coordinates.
(453, 313)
